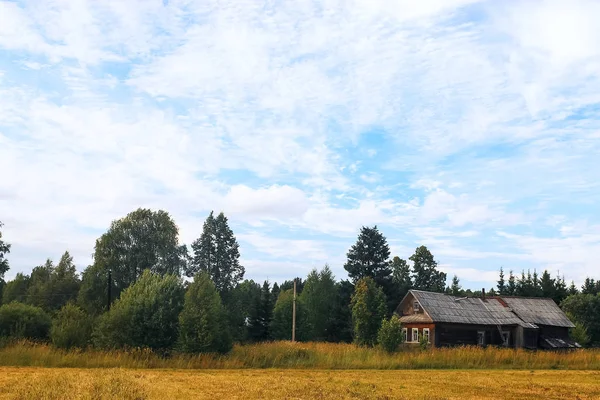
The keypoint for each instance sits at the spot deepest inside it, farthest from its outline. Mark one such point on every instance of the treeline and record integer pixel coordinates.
(135, 294)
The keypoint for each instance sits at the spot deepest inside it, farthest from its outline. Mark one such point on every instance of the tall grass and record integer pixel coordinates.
(302, 356)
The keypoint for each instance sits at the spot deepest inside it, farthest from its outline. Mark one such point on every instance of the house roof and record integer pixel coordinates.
(525, 312)
(450, 309)
(538, 311)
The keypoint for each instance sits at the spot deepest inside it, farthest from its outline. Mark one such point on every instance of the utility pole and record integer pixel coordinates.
(294, 315)
(108, 289)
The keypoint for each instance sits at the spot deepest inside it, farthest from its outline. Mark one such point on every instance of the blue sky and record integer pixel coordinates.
(469, 126)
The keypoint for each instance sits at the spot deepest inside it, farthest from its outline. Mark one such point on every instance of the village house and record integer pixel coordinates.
(518, 322)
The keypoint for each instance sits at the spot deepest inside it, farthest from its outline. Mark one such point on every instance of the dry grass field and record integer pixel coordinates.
(248, 384)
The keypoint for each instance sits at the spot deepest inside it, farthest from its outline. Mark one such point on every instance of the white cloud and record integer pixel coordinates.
(274, 202)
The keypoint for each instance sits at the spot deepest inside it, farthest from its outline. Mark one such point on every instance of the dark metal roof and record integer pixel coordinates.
(538, 311)
(467, 310)
(558, 343)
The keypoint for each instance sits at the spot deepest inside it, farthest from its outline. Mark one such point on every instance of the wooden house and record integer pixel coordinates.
(445, 320)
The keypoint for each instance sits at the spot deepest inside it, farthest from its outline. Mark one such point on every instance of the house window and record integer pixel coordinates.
(415, 334)
(405, 334)
(481, 338)
(426, 334)
(506, 338)
(416, 307)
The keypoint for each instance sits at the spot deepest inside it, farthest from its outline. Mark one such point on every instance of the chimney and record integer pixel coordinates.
(483, 294)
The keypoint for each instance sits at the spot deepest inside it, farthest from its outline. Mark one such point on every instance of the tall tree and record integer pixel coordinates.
(203, 326)
(261, 315)
(241, 303)
(560, 289)
(425, 273)
(502, 289)
(511, 288)
(281, 325)
(590, 286)
(4, 250)
(144, 239)
(585, 308)
(547, 285)
(455, 289)
(572, 289)
(401, 276)
(369, 257)
(216, 252)
(16, 290)
(340, 329)
(39, 292)
(318, 297)
(368, 311)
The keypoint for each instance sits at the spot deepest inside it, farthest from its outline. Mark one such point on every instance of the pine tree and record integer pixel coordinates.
(590, 287)
(502, 289)
(216, 252)
(261, 315)
(455, 289)
(511, 288)
(535, 283)
(547, 286)
(369, 257)
(318, 297)
(425, 273)
(572, 289)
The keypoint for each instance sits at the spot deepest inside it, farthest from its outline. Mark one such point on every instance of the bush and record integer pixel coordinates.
(72, 327)
(203, 324)
(20, 320)
(390, 334)
(146, 315)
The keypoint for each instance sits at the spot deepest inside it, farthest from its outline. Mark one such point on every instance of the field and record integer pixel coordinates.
(44, 383)
(282, 370)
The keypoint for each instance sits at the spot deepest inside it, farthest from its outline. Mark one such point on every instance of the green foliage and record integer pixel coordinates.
(369, 257)
(401, 276)
(281, 325)
(20, 320)
(261, 314)
(4, 250)
(389, 336)
(16, 290)
(144, 239)
(511, 288)
(590, 286)
(146, 315)
(319, 296)
(340, 328)
(455, 288)
(240, 303)
(50, 287)
(92, 295)
(585, 309)
(368, 310)
(579, 333)
(289, 284)
(216, 252)
(423, 343)
(71, 327)
(502, 288)
(425, 273)
(203, 324)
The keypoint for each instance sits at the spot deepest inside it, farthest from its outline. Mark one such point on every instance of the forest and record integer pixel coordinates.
(146, 290)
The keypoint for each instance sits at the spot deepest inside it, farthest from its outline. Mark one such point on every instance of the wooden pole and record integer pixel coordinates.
(294, 315)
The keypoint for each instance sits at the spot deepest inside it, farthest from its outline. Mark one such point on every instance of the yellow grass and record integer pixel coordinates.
(303, 356)
(67, 384)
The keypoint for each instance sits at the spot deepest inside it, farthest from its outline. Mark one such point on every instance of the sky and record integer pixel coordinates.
(471, 127)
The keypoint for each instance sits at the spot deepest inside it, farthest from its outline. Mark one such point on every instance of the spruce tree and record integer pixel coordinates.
(547, 286)
(216, 252)
(261, 315)
(425, 273)
(318, 297)
(511, 288)
(455, 289)
(502, 289)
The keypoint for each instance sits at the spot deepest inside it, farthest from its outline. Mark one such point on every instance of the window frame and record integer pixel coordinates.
(506, 342)
(428, 334)
(416, 307)
(405, 334)
(481, 334)
(412, 337)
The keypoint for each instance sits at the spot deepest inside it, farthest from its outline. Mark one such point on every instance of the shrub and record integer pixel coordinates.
(71, 328)
(390, 334)
(203, 322)
(281, 325)
(24, 321)
(146, 315)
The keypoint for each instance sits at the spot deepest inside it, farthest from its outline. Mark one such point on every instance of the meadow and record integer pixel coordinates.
(248, 384)
(286, 355)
